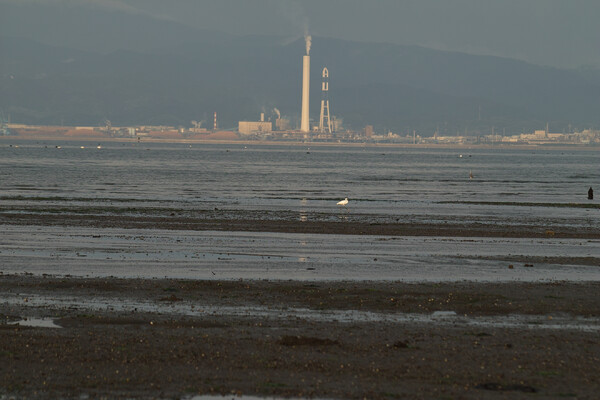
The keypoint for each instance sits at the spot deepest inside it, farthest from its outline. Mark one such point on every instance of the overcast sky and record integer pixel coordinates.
(551, 32)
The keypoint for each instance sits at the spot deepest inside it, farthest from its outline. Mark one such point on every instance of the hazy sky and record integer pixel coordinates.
(555, 32)
(551, 32)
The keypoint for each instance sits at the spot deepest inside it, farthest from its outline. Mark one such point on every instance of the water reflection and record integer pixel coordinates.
(36, 323)
(444, 317)
(247, 255)
(304, 213)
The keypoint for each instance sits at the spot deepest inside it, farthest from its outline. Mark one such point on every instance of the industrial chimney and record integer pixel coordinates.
(305, 121)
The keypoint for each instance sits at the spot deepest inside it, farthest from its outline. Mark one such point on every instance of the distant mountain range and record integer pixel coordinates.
(138, 70)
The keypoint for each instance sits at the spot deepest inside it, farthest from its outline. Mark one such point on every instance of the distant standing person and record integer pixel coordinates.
(591, 194)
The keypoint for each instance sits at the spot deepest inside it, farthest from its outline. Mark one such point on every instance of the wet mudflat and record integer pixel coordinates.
(527, 224)
(286, 313)
(232, 271)
(159, 351)
(160, 253)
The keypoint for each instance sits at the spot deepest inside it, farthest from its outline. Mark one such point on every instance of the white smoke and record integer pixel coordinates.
(308, 40)
(276, 111)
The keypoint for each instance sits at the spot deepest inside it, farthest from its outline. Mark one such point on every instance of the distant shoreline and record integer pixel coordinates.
(32, 138)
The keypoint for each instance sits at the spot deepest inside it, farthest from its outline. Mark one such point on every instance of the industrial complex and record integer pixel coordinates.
(272, 126)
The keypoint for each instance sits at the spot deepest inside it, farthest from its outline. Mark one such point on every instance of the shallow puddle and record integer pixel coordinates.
(449, 317)
(36, 323)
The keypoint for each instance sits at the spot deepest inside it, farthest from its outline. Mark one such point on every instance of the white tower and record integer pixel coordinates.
(305, 121)
(325, 120)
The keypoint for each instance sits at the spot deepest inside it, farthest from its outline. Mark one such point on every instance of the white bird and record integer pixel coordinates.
(343, 202)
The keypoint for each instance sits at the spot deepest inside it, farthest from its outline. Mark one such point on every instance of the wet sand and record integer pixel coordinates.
(230, 255)
(287, 341)
(251, 221)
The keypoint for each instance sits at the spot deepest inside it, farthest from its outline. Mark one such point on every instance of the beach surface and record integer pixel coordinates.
(157, 338)
(182, 272)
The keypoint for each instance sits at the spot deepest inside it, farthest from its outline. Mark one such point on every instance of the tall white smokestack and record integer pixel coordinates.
(305, 121)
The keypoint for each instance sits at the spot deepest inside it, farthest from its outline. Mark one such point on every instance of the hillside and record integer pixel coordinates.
(188, 74)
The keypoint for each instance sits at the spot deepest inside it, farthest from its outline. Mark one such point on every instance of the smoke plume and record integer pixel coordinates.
(308, 40)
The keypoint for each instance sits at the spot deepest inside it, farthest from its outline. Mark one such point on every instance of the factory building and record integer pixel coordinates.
(253, 127)
(282, 124)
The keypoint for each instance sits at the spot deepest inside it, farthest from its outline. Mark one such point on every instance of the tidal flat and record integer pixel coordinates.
(145, 271)
(170, 338)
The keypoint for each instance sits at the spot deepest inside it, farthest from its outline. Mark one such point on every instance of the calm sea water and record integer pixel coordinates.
(376, 180)
(298, 182)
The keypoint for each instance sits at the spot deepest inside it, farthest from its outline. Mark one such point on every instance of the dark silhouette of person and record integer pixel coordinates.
(591, 194)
